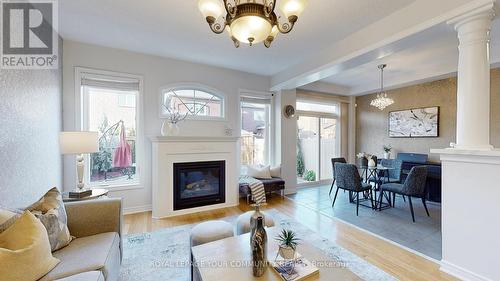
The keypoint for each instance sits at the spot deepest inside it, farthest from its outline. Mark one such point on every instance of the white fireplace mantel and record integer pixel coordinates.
(192, 139)
(182, 149)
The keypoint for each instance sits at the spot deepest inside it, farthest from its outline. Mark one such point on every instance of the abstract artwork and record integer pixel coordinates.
(414, 123)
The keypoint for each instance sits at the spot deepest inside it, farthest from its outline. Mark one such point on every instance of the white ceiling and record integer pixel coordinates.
(433, 57)
(176, 29)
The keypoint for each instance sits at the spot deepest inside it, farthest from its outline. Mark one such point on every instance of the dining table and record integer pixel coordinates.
(377, 174)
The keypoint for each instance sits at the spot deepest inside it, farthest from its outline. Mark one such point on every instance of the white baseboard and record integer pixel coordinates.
(136, 209)
(461, 273)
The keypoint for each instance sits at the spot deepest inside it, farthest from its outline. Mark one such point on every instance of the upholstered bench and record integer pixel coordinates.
(276, 185)
(243, 222)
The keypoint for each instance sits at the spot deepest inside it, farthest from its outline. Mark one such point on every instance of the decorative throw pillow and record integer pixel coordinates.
(259, 172)
(25, 250)
(7, 218)
(275, 171)
(51, 212)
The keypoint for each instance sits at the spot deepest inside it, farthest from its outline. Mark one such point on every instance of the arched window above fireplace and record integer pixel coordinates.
(197, 101)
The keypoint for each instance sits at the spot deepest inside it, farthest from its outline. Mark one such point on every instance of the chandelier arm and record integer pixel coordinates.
(268, 41)
(287, 26)
(269, 7)
(215, 26)
(230, 8)
(236, 42)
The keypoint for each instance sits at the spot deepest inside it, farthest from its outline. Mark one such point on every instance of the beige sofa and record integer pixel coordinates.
(96, 252)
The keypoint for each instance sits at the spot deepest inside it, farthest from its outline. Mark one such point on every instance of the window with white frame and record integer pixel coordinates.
(197, 102)
(255, 130)
(109, 107)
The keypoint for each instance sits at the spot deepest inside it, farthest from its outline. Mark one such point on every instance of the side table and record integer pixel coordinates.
(96, 193)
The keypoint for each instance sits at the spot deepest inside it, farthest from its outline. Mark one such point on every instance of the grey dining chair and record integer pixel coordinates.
(335, 160)
(347, 177)
(414, 186)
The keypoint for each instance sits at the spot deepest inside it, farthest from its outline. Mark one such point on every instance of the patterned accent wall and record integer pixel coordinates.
(30, 122)
(372, 124)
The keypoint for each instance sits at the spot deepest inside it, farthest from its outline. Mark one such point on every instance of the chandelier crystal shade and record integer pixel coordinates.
(382, 101)
(251, 21)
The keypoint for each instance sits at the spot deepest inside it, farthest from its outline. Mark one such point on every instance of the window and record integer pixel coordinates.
(255, 131)
(109, 107)
(317, 140)
(322, 107)
(126, 100)
(196, 103)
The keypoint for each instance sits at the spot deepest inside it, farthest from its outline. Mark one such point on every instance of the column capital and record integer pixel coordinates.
(484, 12)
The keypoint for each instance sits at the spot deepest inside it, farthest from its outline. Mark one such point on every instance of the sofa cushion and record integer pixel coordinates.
(25, 250)
(50, 211)
(100, 252)
(86, 276)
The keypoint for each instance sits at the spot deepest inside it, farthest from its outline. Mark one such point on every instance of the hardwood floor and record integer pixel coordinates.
(400, 263)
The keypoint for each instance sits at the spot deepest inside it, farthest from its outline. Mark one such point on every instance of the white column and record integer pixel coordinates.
(473, 95)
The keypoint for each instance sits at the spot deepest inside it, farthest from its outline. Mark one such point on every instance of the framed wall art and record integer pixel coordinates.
(414, 123)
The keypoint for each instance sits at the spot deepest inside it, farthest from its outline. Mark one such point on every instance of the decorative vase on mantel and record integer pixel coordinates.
(169, 129)
(259, 249)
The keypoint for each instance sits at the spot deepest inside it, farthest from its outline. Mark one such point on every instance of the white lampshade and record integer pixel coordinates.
(251, 27)
(292, 7)
(211, 8)
(78, 142)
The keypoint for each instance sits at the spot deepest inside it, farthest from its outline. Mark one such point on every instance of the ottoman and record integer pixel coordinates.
(206, 232)
(243, 222)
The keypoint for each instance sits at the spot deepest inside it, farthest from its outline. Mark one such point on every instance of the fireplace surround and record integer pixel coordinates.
(170, 150)
(199, 184)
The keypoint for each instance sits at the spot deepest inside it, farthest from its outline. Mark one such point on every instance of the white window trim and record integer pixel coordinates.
(270, 141)
(80, 72)
(194, 86)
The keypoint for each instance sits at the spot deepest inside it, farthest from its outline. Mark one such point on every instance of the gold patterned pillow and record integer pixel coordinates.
(7, 218)
(51, 212)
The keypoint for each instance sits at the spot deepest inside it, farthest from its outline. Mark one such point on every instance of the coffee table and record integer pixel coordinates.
(225, 260)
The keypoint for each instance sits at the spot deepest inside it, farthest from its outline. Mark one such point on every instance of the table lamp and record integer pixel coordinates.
(79, 143)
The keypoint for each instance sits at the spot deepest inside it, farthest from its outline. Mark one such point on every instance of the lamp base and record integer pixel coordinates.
(80, 193)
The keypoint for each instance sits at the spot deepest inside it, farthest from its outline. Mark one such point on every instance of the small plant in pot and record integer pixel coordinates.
(287, 244)
(387, 151)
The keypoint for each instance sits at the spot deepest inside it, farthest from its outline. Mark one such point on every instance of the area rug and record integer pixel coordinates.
(164, 254)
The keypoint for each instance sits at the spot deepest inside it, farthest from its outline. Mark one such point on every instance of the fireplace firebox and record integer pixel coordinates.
(199, 184)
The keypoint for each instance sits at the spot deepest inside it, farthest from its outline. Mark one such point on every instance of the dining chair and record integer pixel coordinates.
(394, 174)
(414, 186)
(348, 178)
(335, 160)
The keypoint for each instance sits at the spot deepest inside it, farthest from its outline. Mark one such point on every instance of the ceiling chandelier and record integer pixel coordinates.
(382, 101)
(251, 21)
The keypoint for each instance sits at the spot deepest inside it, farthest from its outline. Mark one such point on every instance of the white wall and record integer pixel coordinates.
(286, 139)
(30, 122)
(157, 72)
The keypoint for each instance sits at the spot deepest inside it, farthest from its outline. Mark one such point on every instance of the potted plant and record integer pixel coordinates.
(287, 244)
(387, 151)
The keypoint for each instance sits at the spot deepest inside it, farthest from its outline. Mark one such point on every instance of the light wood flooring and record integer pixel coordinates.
(400, 263)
